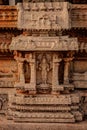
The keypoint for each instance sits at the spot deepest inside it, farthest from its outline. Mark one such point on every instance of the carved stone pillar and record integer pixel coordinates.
(66, 70)
(55, 77)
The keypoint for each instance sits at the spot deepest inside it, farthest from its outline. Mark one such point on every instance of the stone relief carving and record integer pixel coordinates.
(29, 43)
(44, 79)
(44, 68)
(5, 40)
(43, 15)
(3, 103)
(44, 21)
(8, 70)
(33, 76)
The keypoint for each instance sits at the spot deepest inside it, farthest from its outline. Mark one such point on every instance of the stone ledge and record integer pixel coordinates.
(61, 99)
(43, 126)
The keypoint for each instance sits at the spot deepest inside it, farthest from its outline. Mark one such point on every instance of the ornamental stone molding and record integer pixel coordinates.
(8, 16)
(27, 43)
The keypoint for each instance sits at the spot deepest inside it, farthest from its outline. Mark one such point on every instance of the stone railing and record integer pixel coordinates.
(79, 15)
(8, 16)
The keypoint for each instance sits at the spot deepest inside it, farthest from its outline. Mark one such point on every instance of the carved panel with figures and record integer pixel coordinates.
(40, 15)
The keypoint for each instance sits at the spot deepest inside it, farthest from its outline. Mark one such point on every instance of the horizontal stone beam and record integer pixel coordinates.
(26, 43)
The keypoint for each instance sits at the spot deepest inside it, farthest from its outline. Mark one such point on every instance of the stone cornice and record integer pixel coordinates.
(30, 43)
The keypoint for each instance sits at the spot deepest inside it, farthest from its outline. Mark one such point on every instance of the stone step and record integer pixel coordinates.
(44, 120)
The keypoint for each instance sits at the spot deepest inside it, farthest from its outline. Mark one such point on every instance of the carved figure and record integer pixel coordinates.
(44, 21)
(44, 67)
(3, 101)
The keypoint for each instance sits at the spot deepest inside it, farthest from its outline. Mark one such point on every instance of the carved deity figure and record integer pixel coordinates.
(44, 21)
(44, 67)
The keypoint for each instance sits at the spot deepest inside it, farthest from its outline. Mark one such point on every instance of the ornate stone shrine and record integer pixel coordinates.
(43, 56)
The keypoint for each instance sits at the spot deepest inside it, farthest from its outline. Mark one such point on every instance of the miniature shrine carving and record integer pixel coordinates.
(43, 62)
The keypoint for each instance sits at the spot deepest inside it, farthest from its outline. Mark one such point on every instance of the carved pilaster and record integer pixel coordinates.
(20, 61)
(32, 85)
(55, 77)
(66, 69)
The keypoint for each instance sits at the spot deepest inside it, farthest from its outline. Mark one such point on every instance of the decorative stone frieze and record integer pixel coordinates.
(30, 43)
(40, 15)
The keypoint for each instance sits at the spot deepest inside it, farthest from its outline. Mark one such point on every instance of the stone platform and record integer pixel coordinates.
(43, 126)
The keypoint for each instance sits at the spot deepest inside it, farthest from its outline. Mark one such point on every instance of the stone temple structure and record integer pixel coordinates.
(43, 61)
